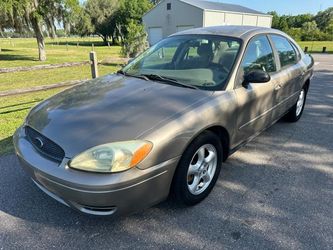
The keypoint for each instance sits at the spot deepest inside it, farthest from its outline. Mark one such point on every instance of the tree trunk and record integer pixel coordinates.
(39, 37)
(50, 27)
(54, 29)
(105, 40)
(2, 32)
(66, 25)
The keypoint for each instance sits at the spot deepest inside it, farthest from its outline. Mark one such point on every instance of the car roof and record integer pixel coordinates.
(242, 32)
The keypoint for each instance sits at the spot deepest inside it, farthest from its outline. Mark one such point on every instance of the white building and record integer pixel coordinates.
(171, 16)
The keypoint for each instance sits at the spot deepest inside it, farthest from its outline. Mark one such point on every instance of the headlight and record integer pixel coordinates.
(112, 157)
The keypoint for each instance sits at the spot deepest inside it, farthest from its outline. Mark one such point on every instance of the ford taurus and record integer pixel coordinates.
(166, 121)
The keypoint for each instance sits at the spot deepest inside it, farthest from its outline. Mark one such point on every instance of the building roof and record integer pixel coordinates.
(209, 5)
(243, 32)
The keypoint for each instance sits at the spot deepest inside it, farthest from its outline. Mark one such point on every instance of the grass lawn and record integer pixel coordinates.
(317, 46)
(23, 52)
(13, 110)
(28, 79)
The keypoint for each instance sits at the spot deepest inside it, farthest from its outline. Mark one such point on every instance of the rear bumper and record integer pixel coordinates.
(94, 193)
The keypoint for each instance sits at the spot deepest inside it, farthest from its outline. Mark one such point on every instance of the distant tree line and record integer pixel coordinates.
(36, 16)
(120, 21)
(115, 21)
(306, 27)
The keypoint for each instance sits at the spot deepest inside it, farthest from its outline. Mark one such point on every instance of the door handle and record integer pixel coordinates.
(277, 86)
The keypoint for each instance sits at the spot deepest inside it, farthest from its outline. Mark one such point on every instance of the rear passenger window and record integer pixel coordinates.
(298, 54)
(259, 56)
(286, 52)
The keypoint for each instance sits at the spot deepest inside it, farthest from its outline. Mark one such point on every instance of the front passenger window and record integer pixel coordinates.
(259, 56)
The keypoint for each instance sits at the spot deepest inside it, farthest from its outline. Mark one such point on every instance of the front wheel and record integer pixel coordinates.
(296, 111)
(198, 169)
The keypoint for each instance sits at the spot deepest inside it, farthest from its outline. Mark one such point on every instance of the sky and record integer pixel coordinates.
(293, 7)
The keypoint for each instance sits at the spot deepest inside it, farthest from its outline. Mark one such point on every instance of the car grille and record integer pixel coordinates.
(44, 145)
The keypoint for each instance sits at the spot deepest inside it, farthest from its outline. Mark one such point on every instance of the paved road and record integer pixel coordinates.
(277, 192)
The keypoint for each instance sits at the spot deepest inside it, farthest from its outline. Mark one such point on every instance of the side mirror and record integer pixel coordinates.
(256, 76)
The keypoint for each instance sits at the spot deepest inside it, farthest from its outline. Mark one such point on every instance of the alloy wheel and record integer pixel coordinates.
(202, 169)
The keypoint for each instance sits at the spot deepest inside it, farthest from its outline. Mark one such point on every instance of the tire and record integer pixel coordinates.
(198, 169)
(295, 113)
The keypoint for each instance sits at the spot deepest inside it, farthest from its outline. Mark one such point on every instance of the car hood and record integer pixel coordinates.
(108, 109)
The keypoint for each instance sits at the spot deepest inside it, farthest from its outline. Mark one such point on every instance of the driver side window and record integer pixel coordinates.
(258, 56)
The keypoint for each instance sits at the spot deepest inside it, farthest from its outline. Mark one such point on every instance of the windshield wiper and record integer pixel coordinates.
(168, 80)
(121, 72)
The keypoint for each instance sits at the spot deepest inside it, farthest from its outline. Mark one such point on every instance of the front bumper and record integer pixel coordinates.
(95, 193)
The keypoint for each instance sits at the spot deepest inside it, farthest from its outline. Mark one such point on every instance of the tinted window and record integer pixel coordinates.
(286, 52)
(259, 56)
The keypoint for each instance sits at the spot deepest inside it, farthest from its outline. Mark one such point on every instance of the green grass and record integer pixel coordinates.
(317, 46)
(13, 110)
(28, 79)
(23, 52)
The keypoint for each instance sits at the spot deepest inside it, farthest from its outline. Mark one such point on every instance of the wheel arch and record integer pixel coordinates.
(307, 84)
(221, 132)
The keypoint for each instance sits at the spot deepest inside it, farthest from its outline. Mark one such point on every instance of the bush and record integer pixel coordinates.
(295, 33)
(135, 41)
(315, 36)
(60, 33)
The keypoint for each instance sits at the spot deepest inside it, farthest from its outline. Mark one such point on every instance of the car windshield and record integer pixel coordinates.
(201, 61)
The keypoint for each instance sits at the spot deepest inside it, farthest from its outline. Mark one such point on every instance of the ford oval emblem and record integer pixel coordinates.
(39, 142)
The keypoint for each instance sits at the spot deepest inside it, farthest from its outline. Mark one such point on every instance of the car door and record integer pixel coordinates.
(290, 73)
(255, 103)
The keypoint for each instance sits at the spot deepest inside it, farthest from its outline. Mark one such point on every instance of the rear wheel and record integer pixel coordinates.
(296, 111)
(198, 169)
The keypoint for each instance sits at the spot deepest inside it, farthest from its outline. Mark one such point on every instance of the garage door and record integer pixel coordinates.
(184, 27)
(154, 35)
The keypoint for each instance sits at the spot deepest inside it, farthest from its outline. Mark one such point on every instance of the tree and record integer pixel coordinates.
(4, 21)
(101, 13)
(295, 33)
(69, 12)
(82, 25)
(136, 40)
(300, 19)
(310, 31)
(283, 23)
(323, 18)
(303, 26)
(130, 10)
(154, 2)
(275, 19)
(31, 14)
(329, 29)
